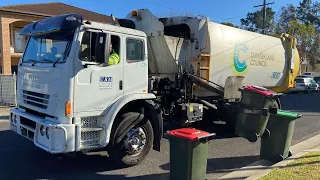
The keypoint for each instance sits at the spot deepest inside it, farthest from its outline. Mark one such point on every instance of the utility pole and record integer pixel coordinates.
(264, 13)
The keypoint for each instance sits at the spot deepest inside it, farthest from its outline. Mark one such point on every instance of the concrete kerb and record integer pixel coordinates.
(263, 167)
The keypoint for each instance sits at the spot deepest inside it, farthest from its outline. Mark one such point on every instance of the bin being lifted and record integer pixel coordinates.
(254, 111)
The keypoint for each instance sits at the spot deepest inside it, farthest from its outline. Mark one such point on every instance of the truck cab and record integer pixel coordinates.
(68, 96)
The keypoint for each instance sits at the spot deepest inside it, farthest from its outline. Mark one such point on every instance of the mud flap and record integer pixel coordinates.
(232, 84)
(156, 122)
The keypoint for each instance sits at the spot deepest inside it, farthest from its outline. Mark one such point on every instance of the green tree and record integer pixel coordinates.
(298, 22)
(254, 20)
(305, 8)
(286, 15)
(230, 24)
(306, 38)
(307, 11)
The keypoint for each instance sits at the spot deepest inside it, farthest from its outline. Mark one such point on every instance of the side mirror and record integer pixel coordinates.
(100, 49)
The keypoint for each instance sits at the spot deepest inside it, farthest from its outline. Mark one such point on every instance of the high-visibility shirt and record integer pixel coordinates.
(113, 58)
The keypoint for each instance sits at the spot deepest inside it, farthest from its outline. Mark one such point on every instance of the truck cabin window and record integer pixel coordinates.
(47, 49)
(87, 48)
(134, 50)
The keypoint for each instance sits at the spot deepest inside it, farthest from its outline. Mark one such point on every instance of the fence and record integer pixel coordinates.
(7, 90)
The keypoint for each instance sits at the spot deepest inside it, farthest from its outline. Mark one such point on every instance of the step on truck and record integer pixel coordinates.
(171, 70)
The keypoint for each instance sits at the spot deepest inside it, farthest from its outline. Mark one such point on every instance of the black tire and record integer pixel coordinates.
(116, 147)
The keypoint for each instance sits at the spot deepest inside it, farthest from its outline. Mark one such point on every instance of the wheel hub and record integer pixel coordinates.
(135, 141)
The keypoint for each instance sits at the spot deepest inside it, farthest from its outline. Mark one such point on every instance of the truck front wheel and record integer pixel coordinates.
(131, 139)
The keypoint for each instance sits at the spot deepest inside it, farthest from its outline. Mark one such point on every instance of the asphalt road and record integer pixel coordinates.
(20, 159)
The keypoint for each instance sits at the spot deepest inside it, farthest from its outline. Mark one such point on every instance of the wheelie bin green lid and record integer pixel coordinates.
(288, 114)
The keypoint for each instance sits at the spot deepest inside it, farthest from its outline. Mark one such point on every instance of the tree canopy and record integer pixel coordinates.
(299, 21)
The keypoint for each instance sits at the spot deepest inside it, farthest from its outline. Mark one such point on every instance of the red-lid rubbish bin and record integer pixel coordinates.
(188, 153)
(254, 111)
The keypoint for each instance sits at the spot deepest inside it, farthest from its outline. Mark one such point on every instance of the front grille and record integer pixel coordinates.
(27, 122)
(36, 99)
(89, 122)
(90, 135)
(89, 138)
(27, 133)
(91, 132)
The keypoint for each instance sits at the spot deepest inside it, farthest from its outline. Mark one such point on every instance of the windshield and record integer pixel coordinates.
(299, 80)
(46, 49)
(317, 78)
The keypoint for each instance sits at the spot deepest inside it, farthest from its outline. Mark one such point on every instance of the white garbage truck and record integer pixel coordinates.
(70, 99)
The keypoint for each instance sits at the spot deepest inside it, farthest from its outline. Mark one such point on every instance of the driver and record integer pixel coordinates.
(54, 52)
(114, 57)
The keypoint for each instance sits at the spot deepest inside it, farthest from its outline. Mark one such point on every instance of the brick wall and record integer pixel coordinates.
(5, 20)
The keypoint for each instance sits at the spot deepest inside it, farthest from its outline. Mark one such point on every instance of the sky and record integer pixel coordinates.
(216, 10)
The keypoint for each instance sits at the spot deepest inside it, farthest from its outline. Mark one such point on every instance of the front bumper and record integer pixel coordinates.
(301, 88)
(55, 137)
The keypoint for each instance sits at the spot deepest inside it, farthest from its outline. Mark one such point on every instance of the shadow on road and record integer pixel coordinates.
(223, 165)
(20, 159)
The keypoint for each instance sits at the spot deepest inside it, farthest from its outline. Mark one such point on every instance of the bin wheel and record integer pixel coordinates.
(289, 154)
(266, 134)
(130, 142)
(307, 91)
(278, 103)
(280, 158)
(252, 137)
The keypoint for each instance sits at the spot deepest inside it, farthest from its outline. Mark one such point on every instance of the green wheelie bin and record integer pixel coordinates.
(275, 146)
(253, 111)
(188, 153)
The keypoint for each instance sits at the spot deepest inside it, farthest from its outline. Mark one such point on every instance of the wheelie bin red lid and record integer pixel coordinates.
(191, 134)
(260, 90)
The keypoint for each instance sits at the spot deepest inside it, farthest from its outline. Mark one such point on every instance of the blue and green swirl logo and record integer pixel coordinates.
(239, 68)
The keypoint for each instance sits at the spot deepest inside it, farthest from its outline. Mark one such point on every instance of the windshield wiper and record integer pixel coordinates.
(54, 64)
(45, 60)
(29, 60)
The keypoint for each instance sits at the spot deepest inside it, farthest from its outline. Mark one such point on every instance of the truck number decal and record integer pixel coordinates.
(105, 79)
(275, 75)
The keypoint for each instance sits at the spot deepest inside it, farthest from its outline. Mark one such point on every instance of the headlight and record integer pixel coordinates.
(42, 130)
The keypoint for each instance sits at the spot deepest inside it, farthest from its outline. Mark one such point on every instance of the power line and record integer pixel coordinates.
(234, 17)
(264, 13)
(244, 27)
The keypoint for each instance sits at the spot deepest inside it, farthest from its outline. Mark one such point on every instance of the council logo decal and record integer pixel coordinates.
(239, 67)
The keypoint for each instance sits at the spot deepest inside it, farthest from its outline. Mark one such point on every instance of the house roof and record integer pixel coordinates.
(53, 9)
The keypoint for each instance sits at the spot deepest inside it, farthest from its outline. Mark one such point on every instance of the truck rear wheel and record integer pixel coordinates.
(130, 142)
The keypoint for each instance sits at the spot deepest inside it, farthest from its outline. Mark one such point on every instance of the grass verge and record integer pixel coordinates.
(306, 167)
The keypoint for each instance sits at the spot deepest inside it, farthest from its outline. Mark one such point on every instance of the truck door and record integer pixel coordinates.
(135, 66)
(96, 86)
